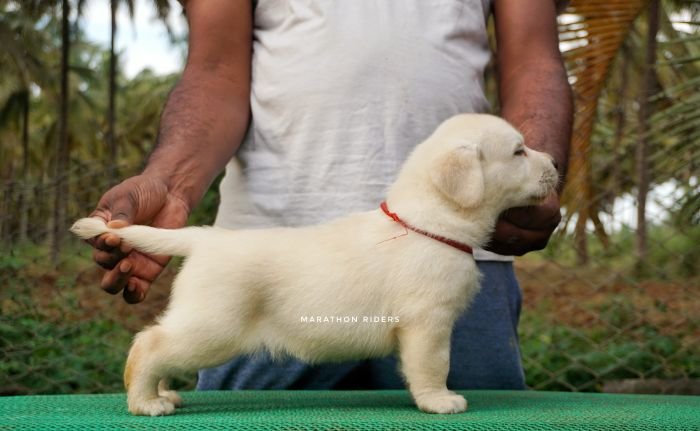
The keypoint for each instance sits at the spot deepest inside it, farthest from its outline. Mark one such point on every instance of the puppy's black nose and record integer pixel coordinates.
(556, 165)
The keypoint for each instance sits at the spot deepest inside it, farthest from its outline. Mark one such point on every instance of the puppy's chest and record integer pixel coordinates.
(450, 274)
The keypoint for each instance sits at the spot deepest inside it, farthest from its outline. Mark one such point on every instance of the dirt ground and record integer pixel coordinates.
(581, 297)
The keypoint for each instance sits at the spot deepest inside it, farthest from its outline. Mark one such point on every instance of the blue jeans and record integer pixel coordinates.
(485, 352)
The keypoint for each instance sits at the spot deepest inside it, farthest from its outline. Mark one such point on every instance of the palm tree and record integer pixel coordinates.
(20, 39)
(111, 143)
(589, 62)
(643, 144)
(62, 147)
(162, 8)
(596, 33)
(16, 110)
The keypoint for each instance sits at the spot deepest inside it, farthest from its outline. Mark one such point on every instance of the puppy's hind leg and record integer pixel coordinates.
(164, 391)
(167, 349)
(425, 363)
(143, 373)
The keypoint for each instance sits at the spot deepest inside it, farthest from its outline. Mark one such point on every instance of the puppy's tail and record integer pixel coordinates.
(170, 242)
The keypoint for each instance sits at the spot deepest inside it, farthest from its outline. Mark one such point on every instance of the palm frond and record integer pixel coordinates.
(592, 33)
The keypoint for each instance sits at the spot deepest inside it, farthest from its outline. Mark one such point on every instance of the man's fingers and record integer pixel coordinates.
(147, 267)
(134, 278)
(101, 213)
(521, 230)
(117, 224)
(133, 275)
(116, 279)
(136, 290)
(509, 239)
(106, 242)
(545, 216)
(534, 218)
(105, 259)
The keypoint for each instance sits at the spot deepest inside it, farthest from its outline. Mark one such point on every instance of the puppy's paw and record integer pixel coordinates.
(441, 402)
(171, 396)
(154, 407)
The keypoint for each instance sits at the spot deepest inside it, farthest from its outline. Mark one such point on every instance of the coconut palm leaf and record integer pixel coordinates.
(604, 48)
(592, 33)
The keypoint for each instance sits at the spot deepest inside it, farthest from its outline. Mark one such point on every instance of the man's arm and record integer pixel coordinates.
(536, 98)
(202, 125)
(207, 113)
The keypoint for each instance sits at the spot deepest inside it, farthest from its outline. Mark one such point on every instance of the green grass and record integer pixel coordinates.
(561, 357)
(49, 343)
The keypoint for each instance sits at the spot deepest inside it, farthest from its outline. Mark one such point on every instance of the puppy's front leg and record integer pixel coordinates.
(425, 363)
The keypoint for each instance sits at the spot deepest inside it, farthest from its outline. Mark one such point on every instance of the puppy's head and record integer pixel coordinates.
(478, 160)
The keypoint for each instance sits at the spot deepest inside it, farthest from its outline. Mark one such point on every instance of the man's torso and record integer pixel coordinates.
(342, 91)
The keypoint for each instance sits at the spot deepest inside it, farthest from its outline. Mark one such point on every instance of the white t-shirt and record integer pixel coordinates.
(342, 91)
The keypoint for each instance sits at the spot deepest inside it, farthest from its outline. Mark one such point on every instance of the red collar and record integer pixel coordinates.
(456, 244)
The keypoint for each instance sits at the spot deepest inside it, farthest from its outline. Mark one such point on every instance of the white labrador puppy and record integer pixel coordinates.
(370, 284)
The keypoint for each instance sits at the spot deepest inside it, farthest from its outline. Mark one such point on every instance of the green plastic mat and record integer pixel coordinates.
(358, 410)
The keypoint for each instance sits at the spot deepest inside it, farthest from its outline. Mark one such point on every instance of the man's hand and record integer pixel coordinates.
(521, 230)
(144, 200)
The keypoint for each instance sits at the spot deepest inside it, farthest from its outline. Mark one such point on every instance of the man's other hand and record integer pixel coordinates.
(521, 230)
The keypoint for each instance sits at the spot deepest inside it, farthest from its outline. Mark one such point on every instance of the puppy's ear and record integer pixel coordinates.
(458, 175)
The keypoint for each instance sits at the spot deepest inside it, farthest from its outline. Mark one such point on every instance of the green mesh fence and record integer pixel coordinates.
(360, 410)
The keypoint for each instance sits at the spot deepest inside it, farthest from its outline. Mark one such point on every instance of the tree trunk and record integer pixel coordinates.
(61, 163)
(111, 142)
(7, 190)
(619, 153)
(581, 239)
(24, 191)
(620, 116)
(581, 185)
(642, 162)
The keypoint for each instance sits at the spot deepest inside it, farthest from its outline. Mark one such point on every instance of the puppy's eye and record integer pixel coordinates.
(520, 152)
